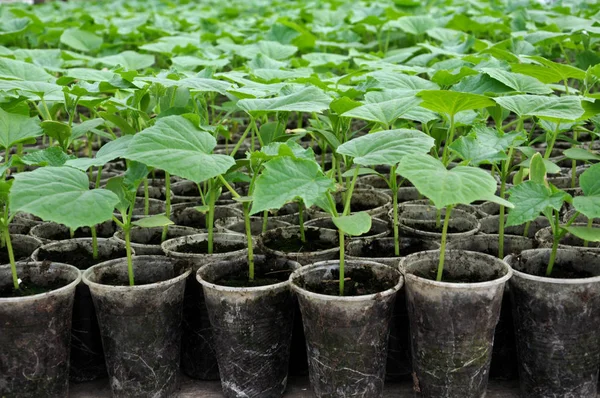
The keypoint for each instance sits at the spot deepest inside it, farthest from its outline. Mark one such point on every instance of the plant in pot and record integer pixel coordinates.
(452, 293)
(37, 364)
(556, 291)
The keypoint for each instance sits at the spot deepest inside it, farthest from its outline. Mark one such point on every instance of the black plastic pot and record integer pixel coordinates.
(452, 324)
(270, 243)
(252, 326)
(146, 241)
(198, 358)
(556, 323)
(346, 336)
(35, 331)
(87, 354)
(140, 325)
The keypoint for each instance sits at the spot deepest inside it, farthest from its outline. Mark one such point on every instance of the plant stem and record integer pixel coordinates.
(249, 239)
(211, 217)
(440, 270)
(127, 231)
(526, 231)
(341, 234)
(574, 165)
(552, 141)
(98, 176)
(242, 138)
(301, 220)
(448, 141)
(394, 186)
(146, 197)
(589, 225)
(94, 243)
(349, 193)
(11, 256)
(167, 205)
(265, 220)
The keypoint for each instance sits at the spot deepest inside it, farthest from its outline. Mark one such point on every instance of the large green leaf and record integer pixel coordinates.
(518, 82)
(81, 40)
(452, 102)
(285, 179)
(129, 60)
(354, 224)
(580, 154)
(309, 99)
(52, 156)
(399, 81)
(386, 147)
(11, 69)
(589, 204)
(485, 145)
(460, 185)
(15, 128)
(109, 151)
(552, 108)
(530, 199)
(176, 145)
(590, 234)
(61, 195)
(384, 112)
(413, 24)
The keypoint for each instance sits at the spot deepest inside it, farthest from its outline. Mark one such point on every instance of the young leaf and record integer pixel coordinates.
(386, 147)
(552, 108)
(284, 179)
(176, 145)
(309, 99)
(354, 224)
(590, 234)
(589, 203)
(518, 82)
(159, 220)
(384, 112)
(530, 198)
(62, 195)
(53, 156)
(485, 145)
(109, 151)
(452, 102)
(580, 154)
(81, 40)
(16, 128)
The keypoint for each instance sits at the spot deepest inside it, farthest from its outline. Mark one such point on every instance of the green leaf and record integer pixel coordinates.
(128, 59)
(589, 204)
(518, 82)
(176, 145)
(11, 69)
(81, 40)
(61, 195)
(530, 199)
(53, 156)
(309, 99)
(5, 186)
(384, 112)
(413, 24)
(485, 145)
(58, 130)
(537, 169)
(386, 147)
(552, 108)
(452, 102)
(159, 220)
(109, 151)
(355, 224)
(586, 233)
(460, 185)
(85, 127)
(285, 179)
(16, 128)
(126, 197)
(580, 154)
(564, 70)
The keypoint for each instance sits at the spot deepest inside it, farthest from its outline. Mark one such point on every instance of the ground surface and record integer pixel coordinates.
(297, 388)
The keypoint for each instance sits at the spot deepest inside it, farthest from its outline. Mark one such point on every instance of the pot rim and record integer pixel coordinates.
(87, 281)
(456, 285)
(169, 252)
(175, 226)
(558, 281)
(279, 253)
(52, 244)
(325, 297)
(70, 285)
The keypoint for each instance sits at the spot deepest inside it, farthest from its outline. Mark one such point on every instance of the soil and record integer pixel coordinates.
(375, 249)
(433, 228)
(79, 233)
(358, 282)
(155, 238)
(79, 257)
(294, 244)
(260, 279)
(19, 256)
(202, 247)
(355, 207)
(446, 277)
(27, 288)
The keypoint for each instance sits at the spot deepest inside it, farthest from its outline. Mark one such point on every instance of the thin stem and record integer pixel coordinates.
(574, 164)
(249, 239)
(448, 141)
(301, 219)
(94, 243)
(242, 138)
(165, 230)
(146, 197)
(341, 234)
(440, 270)
(229, 187)
(526, 230)
(11, 256)
(210, 222)
(127, 231)
(589, 225)
(265, 220)
(98, 176)
(552, 141)
(394, 186)
(349, 193)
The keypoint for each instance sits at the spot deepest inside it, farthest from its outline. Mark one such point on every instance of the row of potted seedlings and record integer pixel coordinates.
(385, 238)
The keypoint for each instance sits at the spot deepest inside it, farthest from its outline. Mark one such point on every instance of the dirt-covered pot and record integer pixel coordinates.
(320, 244)
(544, 239)
(556, 323)
(579, 219)
(405, 207)
(382, 251)
(452, 323)
(147, 241)
(420, 221)
(490, 225)
(252, 324)
(140, 325)
(35, 331)
(155, 206)
(185, 214)
(185, 191)
(27, 219)
(87, 355)
(23, 247)
(346, 336)
(156, 189)
(198, 358)
(256, 225)
(50, 232)
(375, 203)
(379, 228)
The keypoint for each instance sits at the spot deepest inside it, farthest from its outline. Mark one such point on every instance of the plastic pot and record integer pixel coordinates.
(346, 336)
(146, 241)
(556, 324)
(379, 228)
(140, 325)
(23, 247)
(321, 244)
(252, 326)
(49, 232)
(544, 239)
(185, 214)
(420, 221)
(256, 225)
(452, 324)
(35, 331)
(375, 203)
(490, 225)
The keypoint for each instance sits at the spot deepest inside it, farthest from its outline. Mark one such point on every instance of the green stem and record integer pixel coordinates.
(242, 138)
(265, 220)
(301, 220)
(94, 243)
(11, 256)
(589, 225)
(349, 193)
(127, 231)
(249, 239)
(146, 197)
(526, 231)
(394, 186)
(574, 165)
(552, 141)
(440, 270)
(448, 141)
(165, 230)
(210, 222)
(98, 176)
(341, 234)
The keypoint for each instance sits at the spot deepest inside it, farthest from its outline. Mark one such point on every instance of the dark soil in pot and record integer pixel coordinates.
(452, 324)
(185, 214)
(35, 331)
(556, 322)
(256, 315)
(375, 203)
(146, 241)
(50, 231)
(336, 326)
(140, 325)
(198, 358)
(23, 247)
(156, 189)
(87, 354)
(379, 228)
(286, 242)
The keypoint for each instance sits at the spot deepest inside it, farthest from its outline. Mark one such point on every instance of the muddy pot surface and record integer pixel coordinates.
(379, 228)
(87, 354)
(185, 214)
(556, 323)
(140, 325)
(490, 225)
(252, 324)
(452, 324)
(346, 336)
(35, 331)
(147, 241)
(544, 239)
(375, 203)
(198, 358)
(23, 247)
(320, 244)
(49, 231)
(420, 221)
(256, 225)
